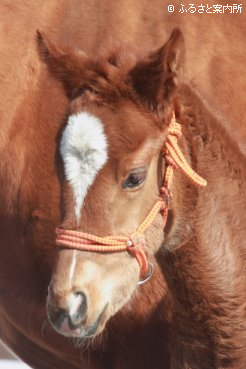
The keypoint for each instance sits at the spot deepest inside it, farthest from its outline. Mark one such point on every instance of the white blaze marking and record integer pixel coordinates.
(72, 266)
(84, 152)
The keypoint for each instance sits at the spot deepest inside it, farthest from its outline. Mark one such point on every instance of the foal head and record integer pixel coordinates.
(120, 107)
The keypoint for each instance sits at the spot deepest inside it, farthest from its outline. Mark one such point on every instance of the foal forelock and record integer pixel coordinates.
(84, 152)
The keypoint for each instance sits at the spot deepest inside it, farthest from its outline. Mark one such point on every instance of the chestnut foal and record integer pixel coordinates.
(122, 110)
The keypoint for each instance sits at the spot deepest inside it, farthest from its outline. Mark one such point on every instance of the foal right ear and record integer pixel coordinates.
(65, 64)
(156, 77)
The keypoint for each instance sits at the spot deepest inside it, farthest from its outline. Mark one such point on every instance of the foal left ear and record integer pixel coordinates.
(155, 78)
(65, 64)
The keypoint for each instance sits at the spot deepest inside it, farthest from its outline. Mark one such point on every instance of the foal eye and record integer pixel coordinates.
(134, 180)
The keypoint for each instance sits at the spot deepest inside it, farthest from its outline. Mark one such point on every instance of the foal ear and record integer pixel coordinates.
(64, 64)
(156, 77)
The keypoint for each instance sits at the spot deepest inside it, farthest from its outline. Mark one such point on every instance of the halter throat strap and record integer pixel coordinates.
(134, 244)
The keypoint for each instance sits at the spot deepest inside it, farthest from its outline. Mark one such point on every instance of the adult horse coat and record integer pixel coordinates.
(33, 105)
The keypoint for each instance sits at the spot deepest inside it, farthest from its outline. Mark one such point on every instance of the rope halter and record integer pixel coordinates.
(135, 242)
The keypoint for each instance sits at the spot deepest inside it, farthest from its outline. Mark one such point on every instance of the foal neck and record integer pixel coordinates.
(206, 273)
(214, 155)
(211, 146)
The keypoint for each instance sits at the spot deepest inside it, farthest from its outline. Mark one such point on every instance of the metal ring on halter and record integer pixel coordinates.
(150, 273)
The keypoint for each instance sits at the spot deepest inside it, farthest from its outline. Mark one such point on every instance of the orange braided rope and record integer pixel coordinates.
(176, 159)
(135, 243)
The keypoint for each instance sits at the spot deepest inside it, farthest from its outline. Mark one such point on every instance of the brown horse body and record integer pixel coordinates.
(33, 105)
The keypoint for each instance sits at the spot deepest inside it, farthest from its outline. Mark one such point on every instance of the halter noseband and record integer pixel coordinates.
(135, 242)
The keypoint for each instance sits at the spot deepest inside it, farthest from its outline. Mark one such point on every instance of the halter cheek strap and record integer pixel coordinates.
(134, 244)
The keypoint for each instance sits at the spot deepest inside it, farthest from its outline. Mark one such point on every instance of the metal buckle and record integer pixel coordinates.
(149, 275)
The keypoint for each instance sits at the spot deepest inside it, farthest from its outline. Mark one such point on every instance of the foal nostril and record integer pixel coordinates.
(73, 311)
(77, 307)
